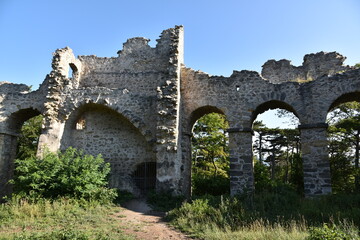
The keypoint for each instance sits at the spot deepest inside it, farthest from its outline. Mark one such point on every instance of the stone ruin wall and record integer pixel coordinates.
(129, 103)
(141, 106)
(314, 66)
(108, 133)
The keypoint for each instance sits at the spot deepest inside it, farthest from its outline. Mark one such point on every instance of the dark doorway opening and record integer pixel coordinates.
(145, 177)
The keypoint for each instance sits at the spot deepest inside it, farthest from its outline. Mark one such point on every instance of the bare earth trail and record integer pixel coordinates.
(139, 220)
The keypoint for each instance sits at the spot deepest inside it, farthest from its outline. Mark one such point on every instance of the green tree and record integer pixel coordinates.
(29, 137)
(279, 150)
(210, 155)
(210, 144)
(344, 146)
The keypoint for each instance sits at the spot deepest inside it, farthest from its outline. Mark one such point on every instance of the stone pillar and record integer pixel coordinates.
(168, 146)
(8, 144)
(316, 165)
(168, 130)
(241, 161)
(187, 163)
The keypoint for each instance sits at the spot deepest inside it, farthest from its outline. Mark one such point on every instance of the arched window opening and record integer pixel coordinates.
(26, 125)
(344, 145)
(145, 177)
(210, 155)
(72, 70)
(276, 148)
(23, 132)
(80, 123)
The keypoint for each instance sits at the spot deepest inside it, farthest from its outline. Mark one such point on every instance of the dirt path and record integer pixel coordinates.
(140, 221)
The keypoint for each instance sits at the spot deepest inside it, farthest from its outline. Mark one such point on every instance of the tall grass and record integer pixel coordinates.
(59, 219)
(272, 215)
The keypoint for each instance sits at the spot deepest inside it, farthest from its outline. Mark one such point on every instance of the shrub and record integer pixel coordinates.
(331, 233)
(164, 201)
(210, 184)
(69, 174)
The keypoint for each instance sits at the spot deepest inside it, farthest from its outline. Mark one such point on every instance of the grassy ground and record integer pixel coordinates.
(61, 219)
(280, 215)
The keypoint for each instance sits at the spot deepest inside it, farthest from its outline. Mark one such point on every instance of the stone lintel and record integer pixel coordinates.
(313, 125)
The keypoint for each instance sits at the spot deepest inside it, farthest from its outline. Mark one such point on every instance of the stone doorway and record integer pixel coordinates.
(145, 177)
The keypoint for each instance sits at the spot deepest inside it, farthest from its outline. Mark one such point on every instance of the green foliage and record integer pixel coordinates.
(69, 174)
(210, 154)
(344, 147)
(331, 233)
(278, 157)
(29, 137)
(123, 197)
(164, 201)
(210, 184)
(281, 206)
(261, 176)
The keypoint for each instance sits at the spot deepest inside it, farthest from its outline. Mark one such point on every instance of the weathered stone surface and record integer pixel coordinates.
(141, 106)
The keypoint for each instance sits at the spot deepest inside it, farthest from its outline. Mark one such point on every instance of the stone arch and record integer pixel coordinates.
(17, 118)
(202, 111)
(135, 120)
(269, 154)
(186, 141)
(347, 97)
(9, 144)
(73, 71)
(111, 134)
(272, 104)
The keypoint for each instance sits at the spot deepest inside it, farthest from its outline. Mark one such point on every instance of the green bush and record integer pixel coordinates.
(261, 176)
(69, 174)
(164, 201)
(331, 233)
(210, 184)
(279, 207)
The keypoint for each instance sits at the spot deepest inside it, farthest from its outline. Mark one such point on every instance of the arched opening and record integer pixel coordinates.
(25, 128)
(145, 177)
(98, 129)
(343, 119)
(72, 70)
(20, 141)
(276, 147)
(210, 152)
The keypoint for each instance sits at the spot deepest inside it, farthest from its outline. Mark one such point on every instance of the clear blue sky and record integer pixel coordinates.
(220, 36)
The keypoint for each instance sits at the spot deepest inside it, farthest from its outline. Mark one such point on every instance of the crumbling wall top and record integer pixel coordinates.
(314, 66)
(135, 59)
(7, 87)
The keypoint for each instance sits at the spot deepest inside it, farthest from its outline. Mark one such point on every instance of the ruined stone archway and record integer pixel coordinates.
(97, 129)
(209, 161)
(187, 126)
(347, 97)
(152, 92)
(344, 142)
(270, 105)
(9, 145)
(277, 145)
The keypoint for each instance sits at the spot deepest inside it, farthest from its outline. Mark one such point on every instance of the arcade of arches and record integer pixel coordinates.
(137, 109)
